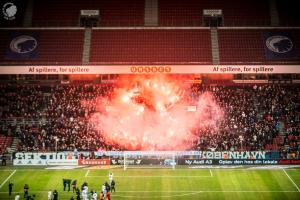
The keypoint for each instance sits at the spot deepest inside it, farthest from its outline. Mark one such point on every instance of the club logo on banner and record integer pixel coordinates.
(9, 11)
(22, 46)
(279, 45)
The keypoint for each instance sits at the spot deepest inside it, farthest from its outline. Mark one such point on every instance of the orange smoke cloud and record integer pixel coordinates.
(150, 113)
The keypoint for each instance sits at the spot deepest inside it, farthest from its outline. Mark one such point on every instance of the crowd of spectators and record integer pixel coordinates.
(255, 117)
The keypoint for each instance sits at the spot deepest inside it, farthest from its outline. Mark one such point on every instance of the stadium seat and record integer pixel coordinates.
(151, 46)
(288, 12)
(246, 46)
(4, 143)
(189, 12)
(66, 13)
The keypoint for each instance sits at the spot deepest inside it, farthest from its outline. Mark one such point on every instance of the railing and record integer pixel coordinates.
(115, 23)
(162, 23)
(135, 23)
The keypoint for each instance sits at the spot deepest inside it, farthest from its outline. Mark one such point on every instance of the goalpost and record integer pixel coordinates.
(153, 159)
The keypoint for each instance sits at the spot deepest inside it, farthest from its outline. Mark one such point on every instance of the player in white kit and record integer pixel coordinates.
(50, 195)
(104, 190)
(94, 196)
(85, 193)
(17, 197)
(110, 178)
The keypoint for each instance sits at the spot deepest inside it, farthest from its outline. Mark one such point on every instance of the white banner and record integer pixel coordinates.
(201, 154)
(153, 69)
(61, 158)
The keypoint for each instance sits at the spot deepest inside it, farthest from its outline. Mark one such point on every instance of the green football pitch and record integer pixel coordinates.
(183, 183)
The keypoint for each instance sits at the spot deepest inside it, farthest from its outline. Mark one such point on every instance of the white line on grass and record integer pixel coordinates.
(174, 193)
(188, 191)
(87, 173)
(291, 180)
(211, 174)
(221, 169)
(8, 178)
(155, 176)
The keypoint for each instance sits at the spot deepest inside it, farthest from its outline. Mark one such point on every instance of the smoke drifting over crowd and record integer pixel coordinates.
(154, 113)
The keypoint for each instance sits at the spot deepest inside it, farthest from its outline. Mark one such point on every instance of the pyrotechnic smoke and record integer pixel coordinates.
(150, 113)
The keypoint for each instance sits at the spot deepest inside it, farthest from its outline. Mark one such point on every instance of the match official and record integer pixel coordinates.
(10, 187)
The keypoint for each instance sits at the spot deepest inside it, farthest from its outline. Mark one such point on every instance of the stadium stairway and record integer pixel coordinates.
(14, 144)
(214, 45)
(86, 46)
(5, 144)
(11, 150)
(27, 20)
(274, 13)
(151, 13)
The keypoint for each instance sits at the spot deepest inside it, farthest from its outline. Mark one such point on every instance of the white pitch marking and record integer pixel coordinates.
(220, 169)
(211, 174)
(189, 193)
(87, 173)
(8, 178)
(156, 176)
(185, 193)
(291, 180)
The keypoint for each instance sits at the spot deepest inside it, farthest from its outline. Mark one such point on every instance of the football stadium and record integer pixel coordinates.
(149, 99)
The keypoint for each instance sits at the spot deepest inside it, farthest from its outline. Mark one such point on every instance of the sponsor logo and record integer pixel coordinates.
(150, 69)
(138, 162)
(128, 162)
(289, 162)
(279, 44)
(233, 154)
(23, 44)
(228, 162)
(9, 11)
(61, 158)
(44, 156)
(94, 162)
(197, 162)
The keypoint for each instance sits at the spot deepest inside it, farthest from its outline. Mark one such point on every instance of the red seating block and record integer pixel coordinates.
(66, 13)
(236, 13)
(151, 46)
(246, 46)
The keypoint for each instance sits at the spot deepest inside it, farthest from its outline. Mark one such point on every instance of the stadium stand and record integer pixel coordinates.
(189, 12)
(131, 12)
(247, 46)
(4, 143)
(151, 46)
(66, 13)
(260, 117)
(257, 115)
(288, 12)
(53, 47)
(259, 111)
